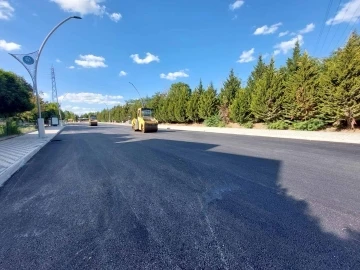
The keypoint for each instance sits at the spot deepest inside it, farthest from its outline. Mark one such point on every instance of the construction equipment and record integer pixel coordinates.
(92, 120)
(145, 121)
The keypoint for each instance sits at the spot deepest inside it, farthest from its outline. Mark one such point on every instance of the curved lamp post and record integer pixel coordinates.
(142, 102)
(41, 129)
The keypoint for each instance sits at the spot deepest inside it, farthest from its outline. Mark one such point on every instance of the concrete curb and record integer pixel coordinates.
(18, 165)
(282, 134)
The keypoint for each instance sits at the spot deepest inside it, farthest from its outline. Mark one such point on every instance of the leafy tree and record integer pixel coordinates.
(208, 102)
(15, 94)
(192, 109)
(339, 97)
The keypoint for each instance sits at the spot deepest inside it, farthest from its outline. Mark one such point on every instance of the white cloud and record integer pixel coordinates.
(237, 4)
(115, 17)
(265, 30)
(78, 110)
(83, 7)
(122, 73)
(276, 52)
(349, 13)
(91, 98)
(91, 61)
(9, 46)
(247, 56)
(286, 46)
(309, 28)
(6, 10)
(71, 67)
(148, 59)
(266, 55)
(172, 76)
(58, 61)
(44, 95)
(282, 34)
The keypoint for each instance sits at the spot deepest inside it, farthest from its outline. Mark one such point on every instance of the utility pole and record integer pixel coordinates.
(54, 95)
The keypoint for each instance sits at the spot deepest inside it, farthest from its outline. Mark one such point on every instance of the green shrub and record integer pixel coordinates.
(281, 124)
(248, 125)
(10, 128)
(214, 121)
(309, 125)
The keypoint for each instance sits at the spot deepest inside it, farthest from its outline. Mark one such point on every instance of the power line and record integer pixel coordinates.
(337, 9)
(323, 25)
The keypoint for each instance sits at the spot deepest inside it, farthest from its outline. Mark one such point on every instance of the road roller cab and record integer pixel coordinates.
(145, 121)
(92, 120)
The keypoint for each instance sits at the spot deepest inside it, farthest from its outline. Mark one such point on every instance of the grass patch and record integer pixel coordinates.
(10, 128)
(309, 125)
(248, 125)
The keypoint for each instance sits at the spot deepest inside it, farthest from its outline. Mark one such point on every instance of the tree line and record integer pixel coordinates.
(306, 93)
(18, 102)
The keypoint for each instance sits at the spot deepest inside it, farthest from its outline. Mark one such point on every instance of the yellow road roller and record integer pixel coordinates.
(92, 120)
(145, 121)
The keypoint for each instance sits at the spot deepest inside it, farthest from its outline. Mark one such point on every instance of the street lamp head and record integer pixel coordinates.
(77, 17)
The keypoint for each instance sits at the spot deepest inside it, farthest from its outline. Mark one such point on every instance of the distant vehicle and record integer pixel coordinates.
(92, 120)
(145, 121)
(54, 121)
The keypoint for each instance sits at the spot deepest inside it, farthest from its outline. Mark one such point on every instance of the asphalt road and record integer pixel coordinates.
(108, 198)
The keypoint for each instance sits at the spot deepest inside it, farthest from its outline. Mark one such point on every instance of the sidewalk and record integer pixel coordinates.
(15, 152)
(339, 137)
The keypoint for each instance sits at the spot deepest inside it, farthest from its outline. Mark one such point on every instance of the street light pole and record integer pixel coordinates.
(29, 61)
(41, 127)
(142, 102)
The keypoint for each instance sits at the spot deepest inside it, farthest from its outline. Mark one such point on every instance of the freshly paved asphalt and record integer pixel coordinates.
(108, 198)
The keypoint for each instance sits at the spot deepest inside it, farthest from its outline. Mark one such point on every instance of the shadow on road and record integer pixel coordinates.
(159, 203)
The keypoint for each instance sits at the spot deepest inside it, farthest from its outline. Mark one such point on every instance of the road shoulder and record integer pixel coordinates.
(15, 152)
(337, 137)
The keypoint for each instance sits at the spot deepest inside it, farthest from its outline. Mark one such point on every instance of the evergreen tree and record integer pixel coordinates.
(240, 108)
(228, 92)
(192, 109)
(300, 94)
(339, 97)
(208, 103)
(179, 95)
(275, 96)
(256, 74)
(292, 63)
(263, 93)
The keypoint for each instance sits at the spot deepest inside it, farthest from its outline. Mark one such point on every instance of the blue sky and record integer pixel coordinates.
(156, 43)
